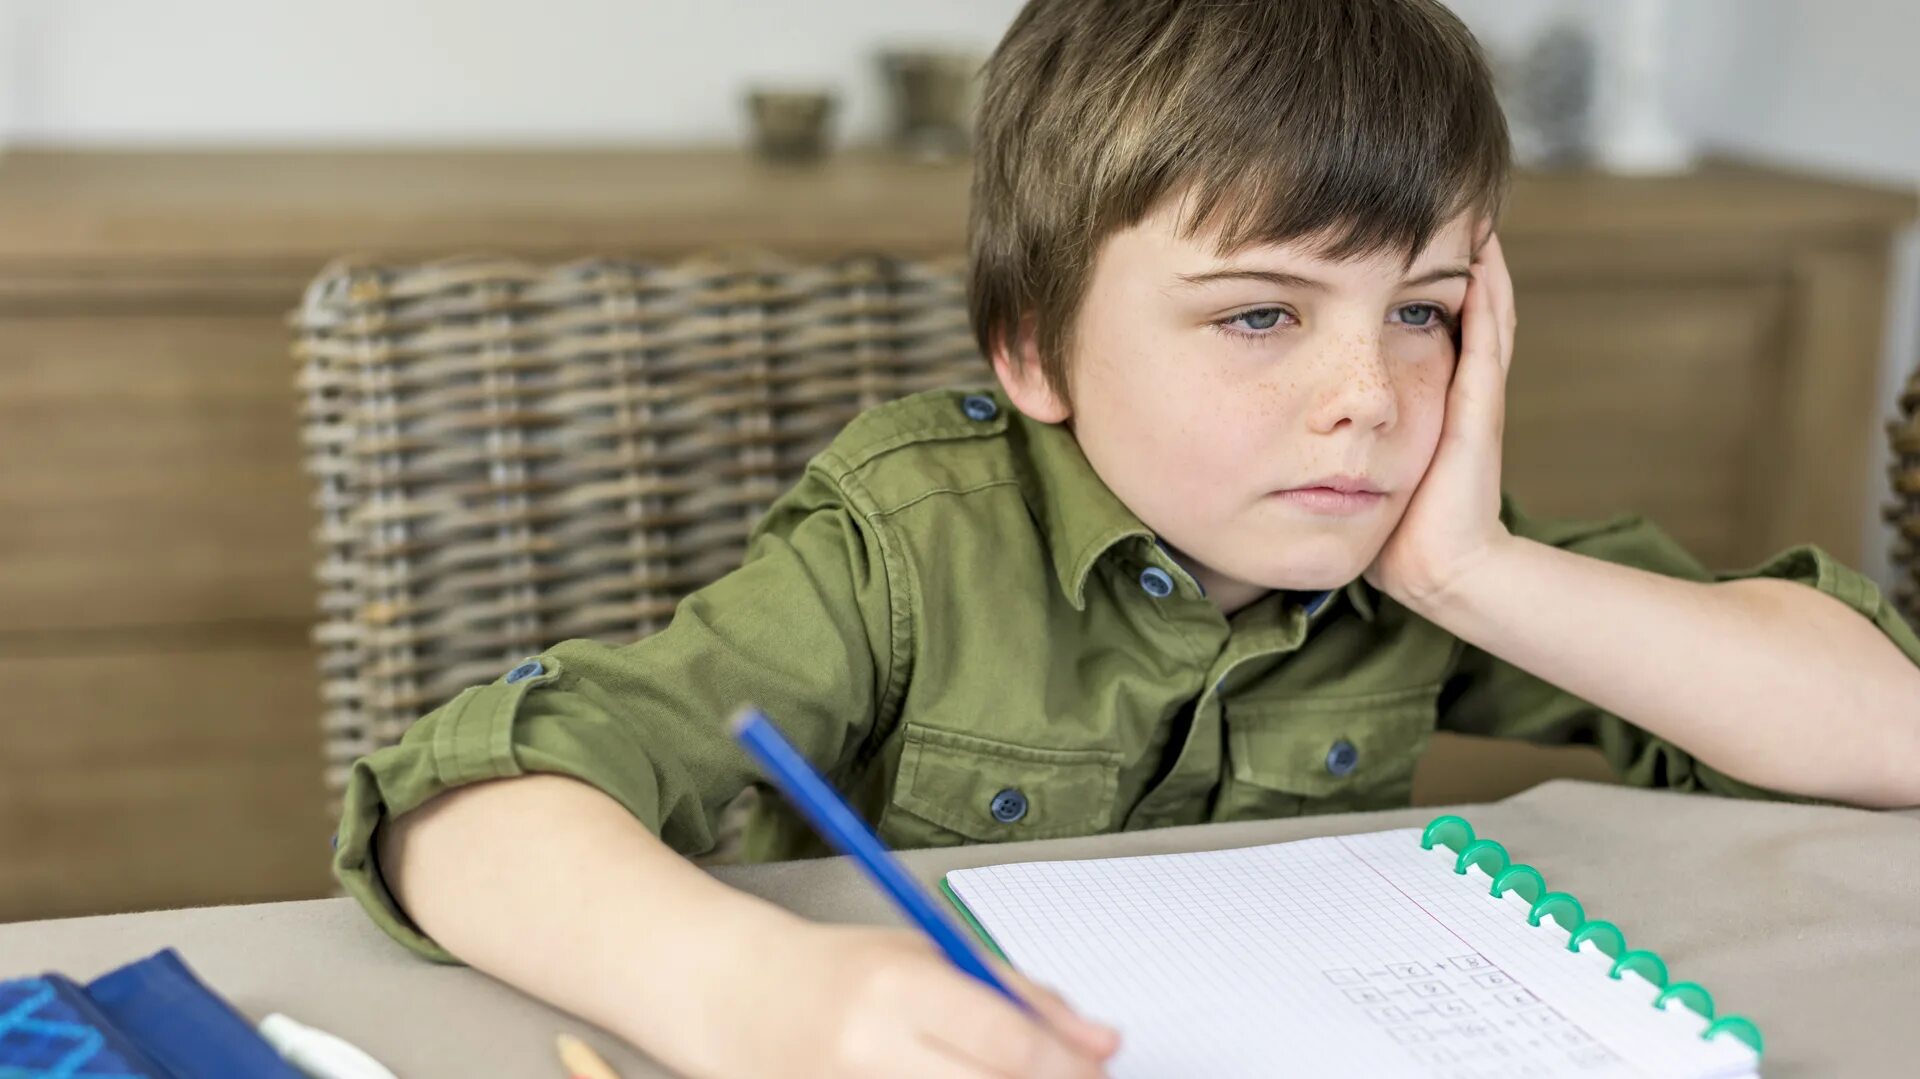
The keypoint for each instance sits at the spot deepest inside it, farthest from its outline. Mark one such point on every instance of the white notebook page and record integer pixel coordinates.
(1349, 955)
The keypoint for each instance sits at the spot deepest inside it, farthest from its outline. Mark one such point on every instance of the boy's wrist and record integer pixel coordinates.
(1449, 600)
(728, 947)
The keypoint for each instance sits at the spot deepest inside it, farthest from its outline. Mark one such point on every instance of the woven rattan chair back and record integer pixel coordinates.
(509, 455)
(1904, 511)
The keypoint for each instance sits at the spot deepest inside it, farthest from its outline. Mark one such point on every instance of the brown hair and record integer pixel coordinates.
(1364, 124)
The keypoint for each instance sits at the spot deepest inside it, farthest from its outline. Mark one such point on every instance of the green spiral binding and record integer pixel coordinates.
(1558, 904)
(1477, 852)
(1605, 936)
(1457, 834)
(1740, 1027)
(1439, 828)
(1524, 879)
(1644, 963)
(1692, 994)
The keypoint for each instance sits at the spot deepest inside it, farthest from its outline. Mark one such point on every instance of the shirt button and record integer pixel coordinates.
(1342, 758)
(979, 407)
(529, 669)
(1156, 583)
(1008, 806)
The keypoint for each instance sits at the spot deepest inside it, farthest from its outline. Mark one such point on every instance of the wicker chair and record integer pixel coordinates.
(508, 456)
(1904, 511)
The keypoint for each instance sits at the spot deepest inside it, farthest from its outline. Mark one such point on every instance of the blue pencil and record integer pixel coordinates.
(839, 825)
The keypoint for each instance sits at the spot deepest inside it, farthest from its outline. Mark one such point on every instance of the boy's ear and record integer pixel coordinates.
(1017, 363)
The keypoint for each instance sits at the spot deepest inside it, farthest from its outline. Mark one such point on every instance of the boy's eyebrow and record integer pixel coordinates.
(1295, 281)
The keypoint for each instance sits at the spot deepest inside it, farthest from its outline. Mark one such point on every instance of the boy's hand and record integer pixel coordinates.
(1453, 519)
(857, 1001)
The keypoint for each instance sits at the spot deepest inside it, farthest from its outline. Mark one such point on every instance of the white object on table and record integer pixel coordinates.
(319, 1054)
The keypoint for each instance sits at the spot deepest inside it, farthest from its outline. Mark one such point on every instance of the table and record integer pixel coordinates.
(1805, 919)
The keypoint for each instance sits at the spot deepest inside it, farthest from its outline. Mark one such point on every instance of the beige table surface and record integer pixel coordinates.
(1806, 920)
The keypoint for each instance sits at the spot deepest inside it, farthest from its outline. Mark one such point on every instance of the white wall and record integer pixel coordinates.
(449, 71)
(1831, 85)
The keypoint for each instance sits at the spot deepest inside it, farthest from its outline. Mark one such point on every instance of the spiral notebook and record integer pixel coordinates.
(1401, 953)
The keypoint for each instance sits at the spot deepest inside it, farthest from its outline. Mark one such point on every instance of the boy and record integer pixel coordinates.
(1228, 544)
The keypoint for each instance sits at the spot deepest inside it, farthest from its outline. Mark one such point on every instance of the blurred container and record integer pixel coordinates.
(933, 93)
(1634, 132)
(1550, 102)
(1589, 86)
(791, 126)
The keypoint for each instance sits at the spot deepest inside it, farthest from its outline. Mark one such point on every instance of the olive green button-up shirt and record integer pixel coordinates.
(955, 619)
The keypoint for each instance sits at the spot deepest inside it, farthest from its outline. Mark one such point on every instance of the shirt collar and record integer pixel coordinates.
(1083, 519)
(1360, 594)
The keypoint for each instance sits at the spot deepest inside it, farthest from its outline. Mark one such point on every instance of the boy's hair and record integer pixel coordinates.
(1364, 124)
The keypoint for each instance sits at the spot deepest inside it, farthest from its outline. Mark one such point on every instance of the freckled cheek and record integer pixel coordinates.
(1422, 393)
(1427, 381)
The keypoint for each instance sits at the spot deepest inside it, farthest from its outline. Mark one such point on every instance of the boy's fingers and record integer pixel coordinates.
(978, 1025)
(906, 1048)
(940, 1061)
(1031, 1053)
(1500, 282)
(1478, 377)
(1479, 336)
(1086, 1034)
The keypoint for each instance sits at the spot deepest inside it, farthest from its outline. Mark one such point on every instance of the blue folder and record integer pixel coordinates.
(151, 1019)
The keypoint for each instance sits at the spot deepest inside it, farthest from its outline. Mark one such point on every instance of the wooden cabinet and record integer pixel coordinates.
(1700, 348)
(158, 768)
(153, 476)
(1649, 397)
(156, 744)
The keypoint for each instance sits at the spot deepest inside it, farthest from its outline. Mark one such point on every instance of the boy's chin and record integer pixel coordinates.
(1313, 571)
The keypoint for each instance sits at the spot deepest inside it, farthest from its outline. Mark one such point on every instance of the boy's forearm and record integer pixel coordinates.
(1769, 681)
(551, 886)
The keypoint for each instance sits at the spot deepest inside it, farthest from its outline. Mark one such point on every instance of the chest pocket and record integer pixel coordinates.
(954, 788)
(1325, 754)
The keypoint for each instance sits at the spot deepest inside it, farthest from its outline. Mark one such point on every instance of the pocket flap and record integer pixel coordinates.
(1318, 746)
(953, 780)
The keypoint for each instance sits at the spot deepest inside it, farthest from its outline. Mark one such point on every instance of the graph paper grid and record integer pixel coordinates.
(1348, 955)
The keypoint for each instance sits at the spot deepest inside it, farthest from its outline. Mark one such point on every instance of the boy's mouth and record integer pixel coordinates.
(1333, 496)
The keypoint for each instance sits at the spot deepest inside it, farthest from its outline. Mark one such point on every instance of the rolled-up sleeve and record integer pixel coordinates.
(1488, 696)
(803, 629)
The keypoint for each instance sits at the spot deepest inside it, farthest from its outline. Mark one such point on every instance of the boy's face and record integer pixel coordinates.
(1269, 413)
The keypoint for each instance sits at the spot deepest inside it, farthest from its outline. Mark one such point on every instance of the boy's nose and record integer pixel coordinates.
(1360, 391)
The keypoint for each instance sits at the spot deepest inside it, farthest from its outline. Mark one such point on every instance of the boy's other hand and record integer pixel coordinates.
(849, 1001)
(1453, 519)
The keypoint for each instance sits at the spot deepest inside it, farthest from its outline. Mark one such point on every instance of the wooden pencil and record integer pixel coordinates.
(581, 1061)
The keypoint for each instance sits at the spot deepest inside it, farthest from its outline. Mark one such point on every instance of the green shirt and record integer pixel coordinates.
(953, 617)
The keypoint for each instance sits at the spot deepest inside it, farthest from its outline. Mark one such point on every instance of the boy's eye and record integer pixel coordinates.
(1423, 316)
(1260, 318)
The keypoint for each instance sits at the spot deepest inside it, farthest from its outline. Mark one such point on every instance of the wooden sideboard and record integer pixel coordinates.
(1699, 348)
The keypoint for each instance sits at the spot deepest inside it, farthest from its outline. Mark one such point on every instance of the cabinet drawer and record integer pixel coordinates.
(159, 775)
(152, 472)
